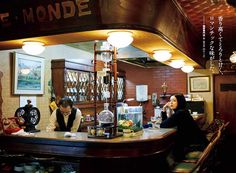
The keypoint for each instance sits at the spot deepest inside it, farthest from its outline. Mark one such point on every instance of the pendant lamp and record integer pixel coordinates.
(162, 55)
(120, 39)
(33, 47)
(187, 68)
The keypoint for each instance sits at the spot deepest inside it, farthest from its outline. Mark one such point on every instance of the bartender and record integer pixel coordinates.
(65, 118)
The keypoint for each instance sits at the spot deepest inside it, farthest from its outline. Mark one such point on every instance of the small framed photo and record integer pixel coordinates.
(200, 84)
(141, 93)
(28, 74)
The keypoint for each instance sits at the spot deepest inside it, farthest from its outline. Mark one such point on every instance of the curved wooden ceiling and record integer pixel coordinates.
(145, 41)
(199, 10)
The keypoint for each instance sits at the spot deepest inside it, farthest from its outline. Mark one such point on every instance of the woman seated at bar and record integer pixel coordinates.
(65, 117)
(188, 133)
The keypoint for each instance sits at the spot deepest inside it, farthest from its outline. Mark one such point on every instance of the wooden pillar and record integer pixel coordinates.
(95, 83)
(115, 84)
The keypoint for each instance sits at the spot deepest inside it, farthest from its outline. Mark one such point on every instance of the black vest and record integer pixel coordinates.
(61, 122)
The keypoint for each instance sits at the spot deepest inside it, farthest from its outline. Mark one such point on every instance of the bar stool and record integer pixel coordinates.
(189, 167)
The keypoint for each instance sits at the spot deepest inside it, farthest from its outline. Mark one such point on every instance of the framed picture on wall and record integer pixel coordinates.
(28, 74)
(199, 84)
(141, 93)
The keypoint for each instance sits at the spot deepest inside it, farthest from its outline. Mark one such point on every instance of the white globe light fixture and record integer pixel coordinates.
(187, 68)
(162, 55)
(232, 58)
(120, 39)
(177, 63)
(33, 47)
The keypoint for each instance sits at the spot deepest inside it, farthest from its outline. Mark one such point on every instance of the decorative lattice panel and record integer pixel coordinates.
(71, 78)
(79, 86)
(120, 88)
(83, 86)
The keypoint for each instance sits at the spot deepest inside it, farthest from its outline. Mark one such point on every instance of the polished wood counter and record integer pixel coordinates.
(145, 144)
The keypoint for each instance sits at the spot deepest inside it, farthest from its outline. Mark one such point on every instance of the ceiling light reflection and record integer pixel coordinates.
(187, 68)
(232, 58)
(33, 47)
(162, 55)
(120, 39)
(177, 63)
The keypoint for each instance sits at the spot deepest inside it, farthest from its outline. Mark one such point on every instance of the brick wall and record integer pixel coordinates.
(154, 78)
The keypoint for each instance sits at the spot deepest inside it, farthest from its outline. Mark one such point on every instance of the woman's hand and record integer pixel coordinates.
(165, 106)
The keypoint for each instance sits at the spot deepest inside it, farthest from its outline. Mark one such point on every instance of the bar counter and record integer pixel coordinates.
(122, 154)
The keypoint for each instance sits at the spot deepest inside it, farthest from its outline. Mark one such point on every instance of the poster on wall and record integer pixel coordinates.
(141, 93)
(24, 100)
(28, 74)
(199, 84)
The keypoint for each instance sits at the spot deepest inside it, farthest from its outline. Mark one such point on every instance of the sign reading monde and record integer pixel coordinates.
(44, 15)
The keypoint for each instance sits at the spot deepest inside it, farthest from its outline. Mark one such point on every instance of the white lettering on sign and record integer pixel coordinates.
(28, 16)
(65, 9)
(83, 7)
(4, 18)
(41, 13)
(54, 12)
(68, 9)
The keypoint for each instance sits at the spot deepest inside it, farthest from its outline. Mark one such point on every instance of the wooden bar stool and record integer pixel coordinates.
(189, 167)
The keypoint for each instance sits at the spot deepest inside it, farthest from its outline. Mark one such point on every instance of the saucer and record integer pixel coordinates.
(127, 135)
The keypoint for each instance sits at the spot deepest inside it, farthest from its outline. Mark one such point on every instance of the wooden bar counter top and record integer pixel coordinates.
(121, 153)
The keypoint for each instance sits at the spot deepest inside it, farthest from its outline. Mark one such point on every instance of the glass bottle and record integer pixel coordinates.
(106, 117)
(106, 56)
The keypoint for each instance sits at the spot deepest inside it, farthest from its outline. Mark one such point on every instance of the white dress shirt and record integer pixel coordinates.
(53, 124)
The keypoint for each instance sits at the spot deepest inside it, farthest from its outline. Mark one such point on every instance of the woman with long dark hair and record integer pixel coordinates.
(188, 132)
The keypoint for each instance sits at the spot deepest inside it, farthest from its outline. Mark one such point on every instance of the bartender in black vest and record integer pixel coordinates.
(65, 118)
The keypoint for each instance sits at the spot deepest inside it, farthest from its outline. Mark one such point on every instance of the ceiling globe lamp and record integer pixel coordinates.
(162, 55)
(232, 58)
(33, 47)
(120, 39)
(177, 63)
(187, 68)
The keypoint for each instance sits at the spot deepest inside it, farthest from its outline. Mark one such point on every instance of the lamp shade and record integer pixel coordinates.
(177, 63)
(120, 39)
(232, 58)
(33, 47)
(187, 68)
(162, 55)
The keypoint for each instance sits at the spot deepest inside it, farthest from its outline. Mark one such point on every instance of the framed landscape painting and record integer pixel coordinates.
(28, 74)
(199, 83)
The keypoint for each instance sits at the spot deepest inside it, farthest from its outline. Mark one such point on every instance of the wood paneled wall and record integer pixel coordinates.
(154, 78)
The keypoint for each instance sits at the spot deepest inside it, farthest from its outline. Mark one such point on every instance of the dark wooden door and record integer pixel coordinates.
(225, 99)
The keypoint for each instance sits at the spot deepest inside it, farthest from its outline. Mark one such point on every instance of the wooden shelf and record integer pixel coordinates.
(88, 105)
(76, 81)
(165, 95)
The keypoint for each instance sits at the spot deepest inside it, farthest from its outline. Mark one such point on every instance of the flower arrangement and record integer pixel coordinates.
(125, 124)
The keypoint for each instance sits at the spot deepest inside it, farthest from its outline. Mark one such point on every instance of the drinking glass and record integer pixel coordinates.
(153, 120)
